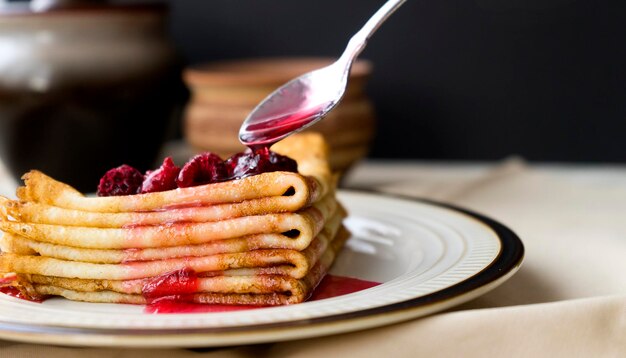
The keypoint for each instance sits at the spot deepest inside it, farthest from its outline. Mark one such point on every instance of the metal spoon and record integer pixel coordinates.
(306, 99)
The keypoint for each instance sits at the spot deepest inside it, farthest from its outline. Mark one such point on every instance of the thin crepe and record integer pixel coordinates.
(37, 213)
(301, 226)
(273, 192)
(256, 290)
(294, 239)
(264, 261)
(261, 240)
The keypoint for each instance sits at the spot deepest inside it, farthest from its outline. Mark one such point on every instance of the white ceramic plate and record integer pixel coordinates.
(427, 256)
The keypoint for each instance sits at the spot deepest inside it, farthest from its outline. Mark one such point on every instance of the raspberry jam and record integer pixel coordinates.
(256, 161)
(14, 292)
(166, 295)
(171, 293)
(173, 285)
(9, 286)
(333, 286)
(173, 306)
(272, 127)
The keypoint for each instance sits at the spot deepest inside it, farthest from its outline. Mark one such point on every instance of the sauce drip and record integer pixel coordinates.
(14, 292)
(9, 290)
(330, 286)
(333, 286)
(272, 128)
(171, 286)
(175, 306)
(172, 292)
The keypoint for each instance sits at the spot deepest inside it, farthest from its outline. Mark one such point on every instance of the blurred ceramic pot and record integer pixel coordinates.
(84, 88)
(224, 93)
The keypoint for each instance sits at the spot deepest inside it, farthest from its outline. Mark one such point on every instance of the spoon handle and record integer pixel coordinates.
(358, 42)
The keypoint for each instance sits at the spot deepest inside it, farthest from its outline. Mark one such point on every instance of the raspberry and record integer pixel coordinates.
(123, 180)
(202, 169)
(161, 179)
(258, 161)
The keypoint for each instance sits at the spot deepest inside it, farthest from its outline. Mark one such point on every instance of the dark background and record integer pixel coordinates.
(453, 79)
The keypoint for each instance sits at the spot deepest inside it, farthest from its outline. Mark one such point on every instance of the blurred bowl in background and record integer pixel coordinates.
(224, 93)
(84, 89)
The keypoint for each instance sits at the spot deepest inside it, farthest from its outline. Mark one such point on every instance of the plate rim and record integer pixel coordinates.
(504, 265)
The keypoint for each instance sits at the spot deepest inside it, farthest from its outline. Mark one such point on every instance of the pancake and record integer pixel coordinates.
(256, 290)
(264, 261)
(266, 239)
(276, 191)
(294, 239)
(302, 226)
(37, 213)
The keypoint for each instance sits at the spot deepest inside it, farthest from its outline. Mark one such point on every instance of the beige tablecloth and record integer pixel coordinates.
(568, 300)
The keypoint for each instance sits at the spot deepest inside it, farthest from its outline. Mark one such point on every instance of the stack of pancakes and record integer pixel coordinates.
(262, 240)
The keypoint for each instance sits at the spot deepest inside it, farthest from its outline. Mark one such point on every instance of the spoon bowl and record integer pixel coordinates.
(305, 100)
(295, 106)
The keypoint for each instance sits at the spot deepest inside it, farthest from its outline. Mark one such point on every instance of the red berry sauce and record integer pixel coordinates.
(333, 286)
(174, 306)
(257, 161)
(174, 285)
(276, 126)
(172, 293)
(9, 286)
